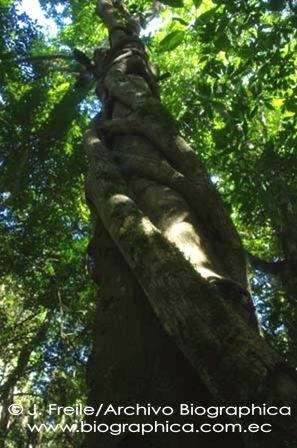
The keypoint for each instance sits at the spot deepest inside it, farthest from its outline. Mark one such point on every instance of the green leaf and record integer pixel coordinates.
(164, 76)
(222, 43)
(276, 5)
(291, 105)
(180, 20)
(172, 40)
(204, 18)
(269, 105)
(173, 3)
(197, 3)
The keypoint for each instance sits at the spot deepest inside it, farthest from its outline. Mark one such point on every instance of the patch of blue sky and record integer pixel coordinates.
(91, 106)
(153, 26)
(215, 179)
(48, 25)
(33, 9)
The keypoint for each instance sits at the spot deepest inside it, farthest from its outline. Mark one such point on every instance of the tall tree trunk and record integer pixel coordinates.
(287, 276)
(19, 371)
(175, 321)
(283, 272)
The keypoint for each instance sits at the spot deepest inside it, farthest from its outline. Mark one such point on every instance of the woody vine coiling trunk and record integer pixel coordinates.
(168, 260)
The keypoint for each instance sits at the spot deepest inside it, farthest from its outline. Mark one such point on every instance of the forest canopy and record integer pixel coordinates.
(227, 74)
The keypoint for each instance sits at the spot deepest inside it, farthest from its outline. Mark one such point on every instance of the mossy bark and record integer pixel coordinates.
(175, 321)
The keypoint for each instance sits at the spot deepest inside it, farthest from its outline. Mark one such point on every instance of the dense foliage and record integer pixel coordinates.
(227, 75)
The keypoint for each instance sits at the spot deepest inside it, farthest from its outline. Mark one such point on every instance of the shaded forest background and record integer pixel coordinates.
(227, 74)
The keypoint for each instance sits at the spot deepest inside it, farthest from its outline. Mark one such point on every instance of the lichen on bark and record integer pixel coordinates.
(185, 278)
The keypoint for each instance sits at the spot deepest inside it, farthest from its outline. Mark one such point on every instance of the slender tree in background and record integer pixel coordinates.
(175, 321)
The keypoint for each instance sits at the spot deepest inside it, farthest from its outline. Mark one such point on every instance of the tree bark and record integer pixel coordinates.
(19, 371)
(175, 321)
(283, 272)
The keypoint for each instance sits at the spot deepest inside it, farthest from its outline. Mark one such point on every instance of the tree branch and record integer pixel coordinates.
(44, 57)
(269, 267)
(24, 357)
(292, 6)
(117, 18)
(154, 11)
